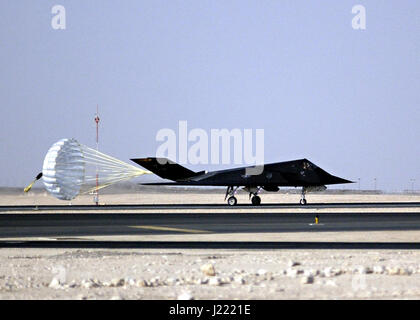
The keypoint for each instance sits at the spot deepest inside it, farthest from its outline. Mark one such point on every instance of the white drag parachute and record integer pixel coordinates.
(71, 168)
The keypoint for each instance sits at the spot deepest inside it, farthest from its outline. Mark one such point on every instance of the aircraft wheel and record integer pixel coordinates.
(303, 201)
(232, 201)
(256, 200)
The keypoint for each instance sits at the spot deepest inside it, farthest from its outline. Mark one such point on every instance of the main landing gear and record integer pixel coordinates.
(253, 192)
(255, 200)
(232, 201)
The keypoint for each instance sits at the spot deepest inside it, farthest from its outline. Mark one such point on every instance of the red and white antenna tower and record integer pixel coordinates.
(96, 196)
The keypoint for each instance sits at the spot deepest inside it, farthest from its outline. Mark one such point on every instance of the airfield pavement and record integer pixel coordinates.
(144, 273)
(153, 195)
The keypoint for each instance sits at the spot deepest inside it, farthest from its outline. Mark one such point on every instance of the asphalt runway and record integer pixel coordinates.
(210, 206)
(62, 230)
(249, 245)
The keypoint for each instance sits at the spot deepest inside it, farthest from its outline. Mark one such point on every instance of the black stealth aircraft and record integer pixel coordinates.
(296, 173)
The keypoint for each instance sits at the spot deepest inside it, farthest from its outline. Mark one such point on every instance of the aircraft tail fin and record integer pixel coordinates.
(166, 168)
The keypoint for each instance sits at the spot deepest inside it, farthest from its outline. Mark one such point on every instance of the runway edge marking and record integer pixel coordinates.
(163, 228)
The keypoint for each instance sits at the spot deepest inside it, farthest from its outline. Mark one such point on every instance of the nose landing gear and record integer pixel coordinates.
(302, 197)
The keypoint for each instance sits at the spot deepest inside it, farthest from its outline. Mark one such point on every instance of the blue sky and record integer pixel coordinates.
(348, 100)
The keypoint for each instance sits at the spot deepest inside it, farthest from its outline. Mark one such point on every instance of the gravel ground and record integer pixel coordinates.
(209, 274)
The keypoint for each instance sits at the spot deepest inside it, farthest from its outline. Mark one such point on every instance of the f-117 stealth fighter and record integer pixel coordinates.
(297, 173)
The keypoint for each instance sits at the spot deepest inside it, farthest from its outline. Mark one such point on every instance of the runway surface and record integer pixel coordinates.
(62, 230)
(250, 245)
(211, 206)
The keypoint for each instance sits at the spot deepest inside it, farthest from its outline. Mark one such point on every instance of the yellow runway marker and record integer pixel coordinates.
(162, 228)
